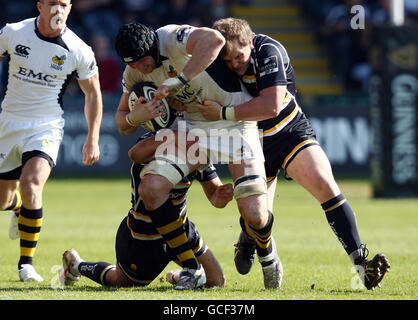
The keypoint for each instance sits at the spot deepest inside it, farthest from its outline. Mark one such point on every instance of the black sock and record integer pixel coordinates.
(342, 220)
(168, 221)
(16, 204)
(243, 228)
(95, 271)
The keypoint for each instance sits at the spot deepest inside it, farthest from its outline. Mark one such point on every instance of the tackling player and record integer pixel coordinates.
(180, 59)
(289, 142)
(43, 55)
(142, 252)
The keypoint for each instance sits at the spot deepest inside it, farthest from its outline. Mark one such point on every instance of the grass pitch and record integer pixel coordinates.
(85, 214)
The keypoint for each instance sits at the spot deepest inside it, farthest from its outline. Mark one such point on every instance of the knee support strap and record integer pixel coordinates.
(168, 166)
(246, 186)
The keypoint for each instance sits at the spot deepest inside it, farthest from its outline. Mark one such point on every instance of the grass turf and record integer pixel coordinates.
(85, 214)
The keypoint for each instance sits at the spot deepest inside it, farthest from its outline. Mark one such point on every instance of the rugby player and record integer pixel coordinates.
(43, 55)
(175, 58)
(289, 142)
(142, 252)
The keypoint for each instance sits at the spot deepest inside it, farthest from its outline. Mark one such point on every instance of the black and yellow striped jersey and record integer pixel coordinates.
(140, 224)
(270, 66)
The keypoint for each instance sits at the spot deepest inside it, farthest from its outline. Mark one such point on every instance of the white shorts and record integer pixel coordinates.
(225, 141)
(22, 135)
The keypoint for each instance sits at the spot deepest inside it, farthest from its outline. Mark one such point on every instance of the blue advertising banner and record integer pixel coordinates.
(344, 133)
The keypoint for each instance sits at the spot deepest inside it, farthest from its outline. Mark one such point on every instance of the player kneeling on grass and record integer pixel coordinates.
(142, 252)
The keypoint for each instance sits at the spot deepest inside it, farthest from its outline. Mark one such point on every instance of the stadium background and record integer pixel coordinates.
(332, 62)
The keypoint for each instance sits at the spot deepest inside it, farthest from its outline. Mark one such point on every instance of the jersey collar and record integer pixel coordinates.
(56, 40)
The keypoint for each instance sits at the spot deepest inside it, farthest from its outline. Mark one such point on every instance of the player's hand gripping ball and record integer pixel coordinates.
(147, 90)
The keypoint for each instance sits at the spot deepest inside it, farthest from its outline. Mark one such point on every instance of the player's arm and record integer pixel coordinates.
(142, 111)
(204, 45)
(214, 273)
(267, 105)
(1, 58)
(146, 149)
(93, 111)
(120, 116)
(219, 194)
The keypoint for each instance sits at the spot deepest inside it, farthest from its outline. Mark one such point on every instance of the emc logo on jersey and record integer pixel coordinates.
(22, 50)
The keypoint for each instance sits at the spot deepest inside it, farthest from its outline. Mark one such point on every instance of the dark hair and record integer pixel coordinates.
(135, 41)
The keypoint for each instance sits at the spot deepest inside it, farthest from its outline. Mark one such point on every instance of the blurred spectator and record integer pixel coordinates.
(411, 11)
(348, 46)
(109, 66)
(182, 12)
(217, 9)
(145, 11)
(13, 11)
(317, 11)
(98, 16)
(382, 13)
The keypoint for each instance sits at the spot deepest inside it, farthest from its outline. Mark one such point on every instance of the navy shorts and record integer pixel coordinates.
(281, 148)
(143, 260)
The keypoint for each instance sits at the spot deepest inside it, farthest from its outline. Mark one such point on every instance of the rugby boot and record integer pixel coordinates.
(244, 254)
(28, 273)
(69, 273)
(371, 272)
(190, 279)
(272, 268)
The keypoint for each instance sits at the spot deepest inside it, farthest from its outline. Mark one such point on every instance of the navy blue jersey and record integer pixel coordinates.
(270, 66)
(290, 132)
(140, 224)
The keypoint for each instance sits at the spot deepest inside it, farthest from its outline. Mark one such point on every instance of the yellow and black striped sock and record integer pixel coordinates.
(263, 237)
(169, 223)
(16, 204)
(30, 223)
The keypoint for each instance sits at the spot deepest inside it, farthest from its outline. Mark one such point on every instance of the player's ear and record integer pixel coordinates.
(39, 5)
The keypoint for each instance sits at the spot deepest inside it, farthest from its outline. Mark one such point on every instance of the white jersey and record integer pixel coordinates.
(215, 83)
(40, 68)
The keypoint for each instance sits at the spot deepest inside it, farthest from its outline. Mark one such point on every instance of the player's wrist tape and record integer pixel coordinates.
(228, 113)
(183, 78)
(174, 85)
(130, 122)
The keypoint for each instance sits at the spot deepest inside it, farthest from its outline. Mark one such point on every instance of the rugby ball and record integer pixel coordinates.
(147, 90)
